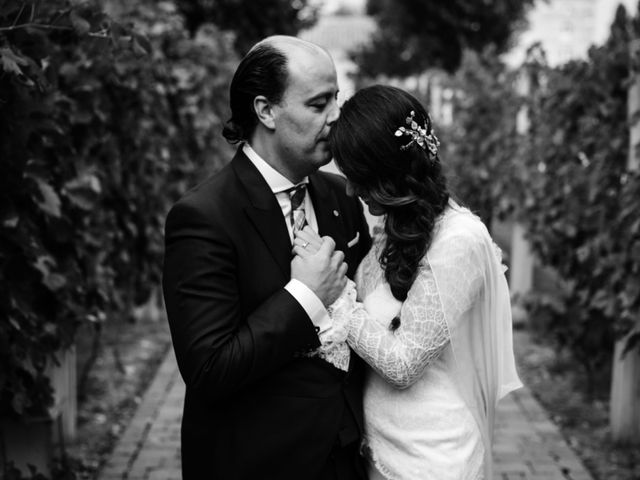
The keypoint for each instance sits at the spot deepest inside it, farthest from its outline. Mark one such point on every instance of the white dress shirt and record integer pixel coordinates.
(279, 185)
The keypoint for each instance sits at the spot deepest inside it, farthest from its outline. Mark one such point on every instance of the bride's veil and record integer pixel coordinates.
(481, 331)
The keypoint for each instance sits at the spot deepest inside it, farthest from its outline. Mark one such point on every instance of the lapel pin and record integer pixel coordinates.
(335, 213)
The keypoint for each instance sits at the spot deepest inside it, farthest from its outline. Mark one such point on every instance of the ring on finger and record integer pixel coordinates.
(305, 244)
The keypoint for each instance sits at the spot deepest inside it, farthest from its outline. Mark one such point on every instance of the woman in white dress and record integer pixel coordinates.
(429, 311)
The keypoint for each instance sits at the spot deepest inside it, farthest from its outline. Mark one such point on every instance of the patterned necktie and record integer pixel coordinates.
(297, 216)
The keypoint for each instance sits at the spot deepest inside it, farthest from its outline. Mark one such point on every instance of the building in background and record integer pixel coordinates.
(567, 28)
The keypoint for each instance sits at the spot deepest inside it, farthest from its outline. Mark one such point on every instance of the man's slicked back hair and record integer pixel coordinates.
(263, 71)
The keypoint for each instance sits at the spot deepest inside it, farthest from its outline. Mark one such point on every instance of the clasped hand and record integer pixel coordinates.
(318, 265)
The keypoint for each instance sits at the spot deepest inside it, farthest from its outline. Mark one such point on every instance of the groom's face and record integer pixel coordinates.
(307, 111)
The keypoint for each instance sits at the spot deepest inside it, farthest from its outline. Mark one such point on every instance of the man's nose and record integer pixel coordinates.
(334, 113)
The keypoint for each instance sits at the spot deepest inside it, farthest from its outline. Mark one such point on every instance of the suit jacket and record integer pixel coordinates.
(254, 408)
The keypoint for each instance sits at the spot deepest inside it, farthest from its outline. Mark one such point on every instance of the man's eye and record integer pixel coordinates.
(319, 106)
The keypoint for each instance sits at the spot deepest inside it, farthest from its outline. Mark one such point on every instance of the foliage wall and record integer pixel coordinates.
(481, 145)
(104, 124)
(565, 179)
(581, 203)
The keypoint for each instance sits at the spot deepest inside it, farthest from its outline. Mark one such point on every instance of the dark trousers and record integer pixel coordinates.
(345, 463)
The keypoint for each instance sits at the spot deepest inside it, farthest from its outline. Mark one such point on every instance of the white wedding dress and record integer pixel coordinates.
(430, 395)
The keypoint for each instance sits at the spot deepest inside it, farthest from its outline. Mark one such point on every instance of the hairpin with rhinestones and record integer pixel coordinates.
(419, 135)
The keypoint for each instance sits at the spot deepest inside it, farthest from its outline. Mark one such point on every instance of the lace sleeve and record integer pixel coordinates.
(401, 356)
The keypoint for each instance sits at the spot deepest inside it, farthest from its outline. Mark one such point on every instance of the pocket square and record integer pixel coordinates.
(354, 240)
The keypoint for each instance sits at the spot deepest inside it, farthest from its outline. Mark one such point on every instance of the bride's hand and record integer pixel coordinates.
(306, 241)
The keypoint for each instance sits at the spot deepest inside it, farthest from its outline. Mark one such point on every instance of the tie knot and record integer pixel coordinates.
(296, 194)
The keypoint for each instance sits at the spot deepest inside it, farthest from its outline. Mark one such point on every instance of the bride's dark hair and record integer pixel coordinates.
(407, 183)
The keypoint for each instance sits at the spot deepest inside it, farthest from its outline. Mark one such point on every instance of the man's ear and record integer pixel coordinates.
(264, 111)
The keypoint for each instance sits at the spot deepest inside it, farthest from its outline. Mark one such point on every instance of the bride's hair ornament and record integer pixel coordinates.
(419, 135)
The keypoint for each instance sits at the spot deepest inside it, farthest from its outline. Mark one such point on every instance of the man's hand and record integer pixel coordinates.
(307, 239)
(323, 271)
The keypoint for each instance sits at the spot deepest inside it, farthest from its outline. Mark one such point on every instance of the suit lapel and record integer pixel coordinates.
(326, 208)
(264, 212)
(325, 204)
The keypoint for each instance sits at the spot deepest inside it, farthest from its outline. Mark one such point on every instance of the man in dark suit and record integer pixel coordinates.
(245, 315)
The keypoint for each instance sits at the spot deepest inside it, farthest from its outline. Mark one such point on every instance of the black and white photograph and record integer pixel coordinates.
(319, 240)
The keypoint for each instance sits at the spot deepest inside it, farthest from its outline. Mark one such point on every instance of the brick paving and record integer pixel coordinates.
(527, 445)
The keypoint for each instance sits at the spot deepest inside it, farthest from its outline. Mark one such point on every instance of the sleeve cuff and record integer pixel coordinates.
(311, 304)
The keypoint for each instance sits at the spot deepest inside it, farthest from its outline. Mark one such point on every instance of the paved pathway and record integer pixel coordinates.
(527, 445)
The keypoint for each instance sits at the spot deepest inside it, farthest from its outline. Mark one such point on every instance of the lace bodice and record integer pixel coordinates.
(399, 356)
(417, 423)
(402, 355)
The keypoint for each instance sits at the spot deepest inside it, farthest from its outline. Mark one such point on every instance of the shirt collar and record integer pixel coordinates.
(276, 181)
